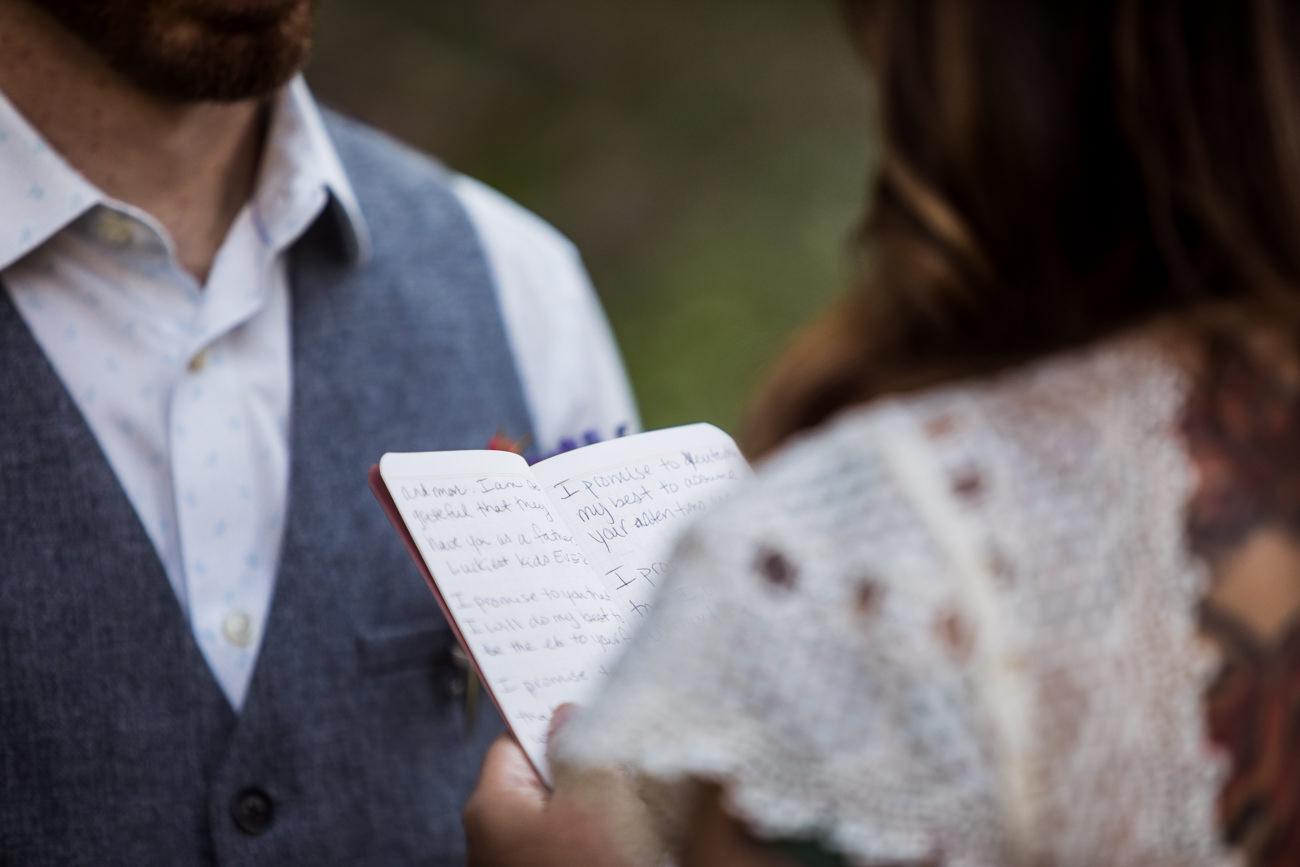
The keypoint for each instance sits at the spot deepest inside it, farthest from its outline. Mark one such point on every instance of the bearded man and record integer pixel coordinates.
(219, 306)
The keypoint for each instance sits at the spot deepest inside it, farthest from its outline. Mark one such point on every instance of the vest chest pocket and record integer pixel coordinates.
(426, 644)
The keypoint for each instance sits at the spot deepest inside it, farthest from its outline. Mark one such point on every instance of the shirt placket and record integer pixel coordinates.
(230, 469)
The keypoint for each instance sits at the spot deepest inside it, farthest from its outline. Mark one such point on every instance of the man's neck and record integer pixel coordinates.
(191, 166)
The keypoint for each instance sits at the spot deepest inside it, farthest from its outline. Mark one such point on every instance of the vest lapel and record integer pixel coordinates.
(354, 679)
(43, 422)
(95, 652)
(404, 353)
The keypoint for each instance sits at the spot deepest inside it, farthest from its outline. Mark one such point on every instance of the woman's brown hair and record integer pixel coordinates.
(1050, 173)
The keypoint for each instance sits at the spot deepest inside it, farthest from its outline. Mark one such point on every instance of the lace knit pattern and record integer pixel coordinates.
(957, 628)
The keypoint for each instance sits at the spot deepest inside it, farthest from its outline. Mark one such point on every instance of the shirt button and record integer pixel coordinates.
(238, 628)
(200, 360)
(253, 811)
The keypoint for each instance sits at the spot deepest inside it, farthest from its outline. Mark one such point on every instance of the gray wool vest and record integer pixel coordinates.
(116, 743)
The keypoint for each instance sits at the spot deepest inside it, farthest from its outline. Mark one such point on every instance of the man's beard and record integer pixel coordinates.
(194, 50)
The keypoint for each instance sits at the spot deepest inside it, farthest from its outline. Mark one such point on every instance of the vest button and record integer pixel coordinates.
(253, 811)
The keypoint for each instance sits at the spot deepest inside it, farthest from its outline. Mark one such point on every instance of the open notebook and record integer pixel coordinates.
(545, 572)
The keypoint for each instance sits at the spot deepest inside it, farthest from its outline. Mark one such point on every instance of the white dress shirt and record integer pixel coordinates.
(187, 388)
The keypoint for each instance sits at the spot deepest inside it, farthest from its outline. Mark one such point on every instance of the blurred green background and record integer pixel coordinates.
(707, 156)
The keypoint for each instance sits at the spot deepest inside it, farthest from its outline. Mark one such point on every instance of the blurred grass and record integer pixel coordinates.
(707, 157)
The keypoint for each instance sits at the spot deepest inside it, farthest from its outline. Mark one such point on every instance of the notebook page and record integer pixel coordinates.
(629, 499)
(520, 591)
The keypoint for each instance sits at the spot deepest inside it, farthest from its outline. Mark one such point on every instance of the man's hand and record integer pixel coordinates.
(513, 820)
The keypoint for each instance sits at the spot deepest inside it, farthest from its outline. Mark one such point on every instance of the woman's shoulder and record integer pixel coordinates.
(890, 638)
(1038, 441)
(981, 560)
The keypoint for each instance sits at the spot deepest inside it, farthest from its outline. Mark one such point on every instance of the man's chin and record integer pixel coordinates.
(242, 16)
(224, 64)
(194, 50)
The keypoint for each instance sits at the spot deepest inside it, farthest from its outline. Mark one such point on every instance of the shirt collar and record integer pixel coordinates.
(299, 159)
(41, 193)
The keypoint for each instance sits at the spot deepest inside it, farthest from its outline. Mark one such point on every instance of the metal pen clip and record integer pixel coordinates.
(470, 688)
